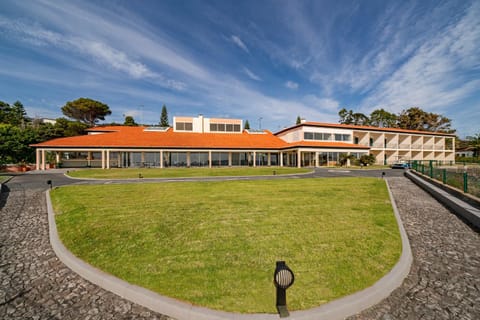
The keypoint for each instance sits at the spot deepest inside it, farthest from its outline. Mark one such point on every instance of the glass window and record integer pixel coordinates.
(221, 127)
(229, 127)
(213, 127)
(180, 126)
(308, 135)
(188, 126)
(236, 127)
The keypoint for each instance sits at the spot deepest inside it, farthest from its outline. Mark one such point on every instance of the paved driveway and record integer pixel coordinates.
(444, 282)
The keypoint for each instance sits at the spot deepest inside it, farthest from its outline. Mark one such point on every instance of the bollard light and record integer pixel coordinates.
(383, 174)
(49, 182)
(283, 279)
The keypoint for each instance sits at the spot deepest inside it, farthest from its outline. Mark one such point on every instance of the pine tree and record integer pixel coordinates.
(247, 125)
(299, 120)
(164, 117)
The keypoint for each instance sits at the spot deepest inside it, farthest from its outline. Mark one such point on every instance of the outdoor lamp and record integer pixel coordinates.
(283, 279)
(383, 174)
(49, 182)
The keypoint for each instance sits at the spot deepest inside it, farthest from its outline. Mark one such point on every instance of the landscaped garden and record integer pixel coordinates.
(215, 244)
(135, 173)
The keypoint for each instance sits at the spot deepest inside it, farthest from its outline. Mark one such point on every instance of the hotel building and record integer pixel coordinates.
(213, 142)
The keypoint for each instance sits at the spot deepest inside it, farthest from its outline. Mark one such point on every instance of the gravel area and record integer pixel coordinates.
(444, 282)
(34, 283)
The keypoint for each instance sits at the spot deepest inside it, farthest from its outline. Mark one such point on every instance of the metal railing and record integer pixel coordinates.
(463, 176)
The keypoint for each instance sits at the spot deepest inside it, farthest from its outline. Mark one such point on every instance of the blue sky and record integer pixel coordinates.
(268, 60)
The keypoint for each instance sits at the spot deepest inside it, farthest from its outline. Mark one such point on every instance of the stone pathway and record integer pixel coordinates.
(444, 282)
(34, 283)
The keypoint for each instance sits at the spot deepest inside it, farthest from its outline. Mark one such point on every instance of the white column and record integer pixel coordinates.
(281, 159)
(254, 158)
(230, 159)
(299, 160)
(161, 158)
(37, 159)
(108, 159)
(188, 159)
(102, 153)
(209, 158)
(317, 159)
(269, 162)
(43, 159)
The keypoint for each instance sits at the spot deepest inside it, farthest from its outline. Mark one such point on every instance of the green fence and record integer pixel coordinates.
(462, 176)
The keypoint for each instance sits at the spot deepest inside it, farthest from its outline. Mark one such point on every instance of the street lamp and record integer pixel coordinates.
(283, 279)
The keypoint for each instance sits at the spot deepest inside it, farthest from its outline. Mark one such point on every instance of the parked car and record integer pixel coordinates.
(400, 165)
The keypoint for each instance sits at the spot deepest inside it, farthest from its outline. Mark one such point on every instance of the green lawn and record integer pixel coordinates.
(4, 178)
(215, 244)
(118, 173)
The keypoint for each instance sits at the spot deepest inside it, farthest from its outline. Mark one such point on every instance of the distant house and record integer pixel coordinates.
(211, 142)
(464, 152)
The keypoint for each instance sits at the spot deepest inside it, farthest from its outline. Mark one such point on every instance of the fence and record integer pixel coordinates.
(462, 176)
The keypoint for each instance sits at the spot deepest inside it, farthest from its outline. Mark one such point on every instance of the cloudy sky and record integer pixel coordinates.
(265, 61)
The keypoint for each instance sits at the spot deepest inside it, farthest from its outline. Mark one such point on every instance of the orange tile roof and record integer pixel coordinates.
(327, 144)
(136, 137)
(358, 127)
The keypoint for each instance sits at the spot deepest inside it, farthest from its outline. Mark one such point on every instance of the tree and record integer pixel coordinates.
(350, 117)
(416, 119)
(13, 114)
(247, 125)
(164, 117)
(299, 120)
(129, 121)
(382, 118)
(67, 128)
(474, 144)
(344, 157)
(15, 144)
(86, 110)
(367, 159)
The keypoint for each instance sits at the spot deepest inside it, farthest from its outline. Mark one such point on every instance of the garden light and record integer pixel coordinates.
(49, 182)
(283, 279)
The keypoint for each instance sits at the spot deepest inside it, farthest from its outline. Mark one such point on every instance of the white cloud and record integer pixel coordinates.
(239, 43)
(291, 85)
(435, 77)
(325, 104)
(251, 75)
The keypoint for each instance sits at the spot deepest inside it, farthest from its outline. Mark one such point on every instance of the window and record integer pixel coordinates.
(224, 127)
(308, 135)
(184, 126)
(342, 137)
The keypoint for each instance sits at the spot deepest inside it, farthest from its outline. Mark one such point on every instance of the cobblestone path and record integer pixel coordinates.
(444, 282)
(34, 283)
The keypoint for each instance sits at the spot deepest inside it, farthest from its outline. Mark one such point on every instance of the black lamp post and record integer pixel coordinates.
(283, 279)
(49, 182)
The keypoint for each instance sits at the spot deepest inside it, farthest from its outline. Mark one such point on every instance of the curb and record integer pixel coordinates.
(454, 204)
(337, 309)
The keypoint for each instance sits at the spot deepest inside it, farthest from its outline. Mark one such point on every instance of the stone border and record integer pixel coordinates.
(453, 203)
(5, 181)
(338, 309)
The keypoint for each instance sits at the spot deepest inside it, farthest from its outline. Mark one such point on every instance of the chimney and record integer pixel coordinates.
(303, 120)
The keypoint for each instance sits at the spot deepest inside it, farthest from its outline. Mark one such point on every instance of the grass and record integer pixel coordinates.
(215, 244)
(118, 173)
(4, 178)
